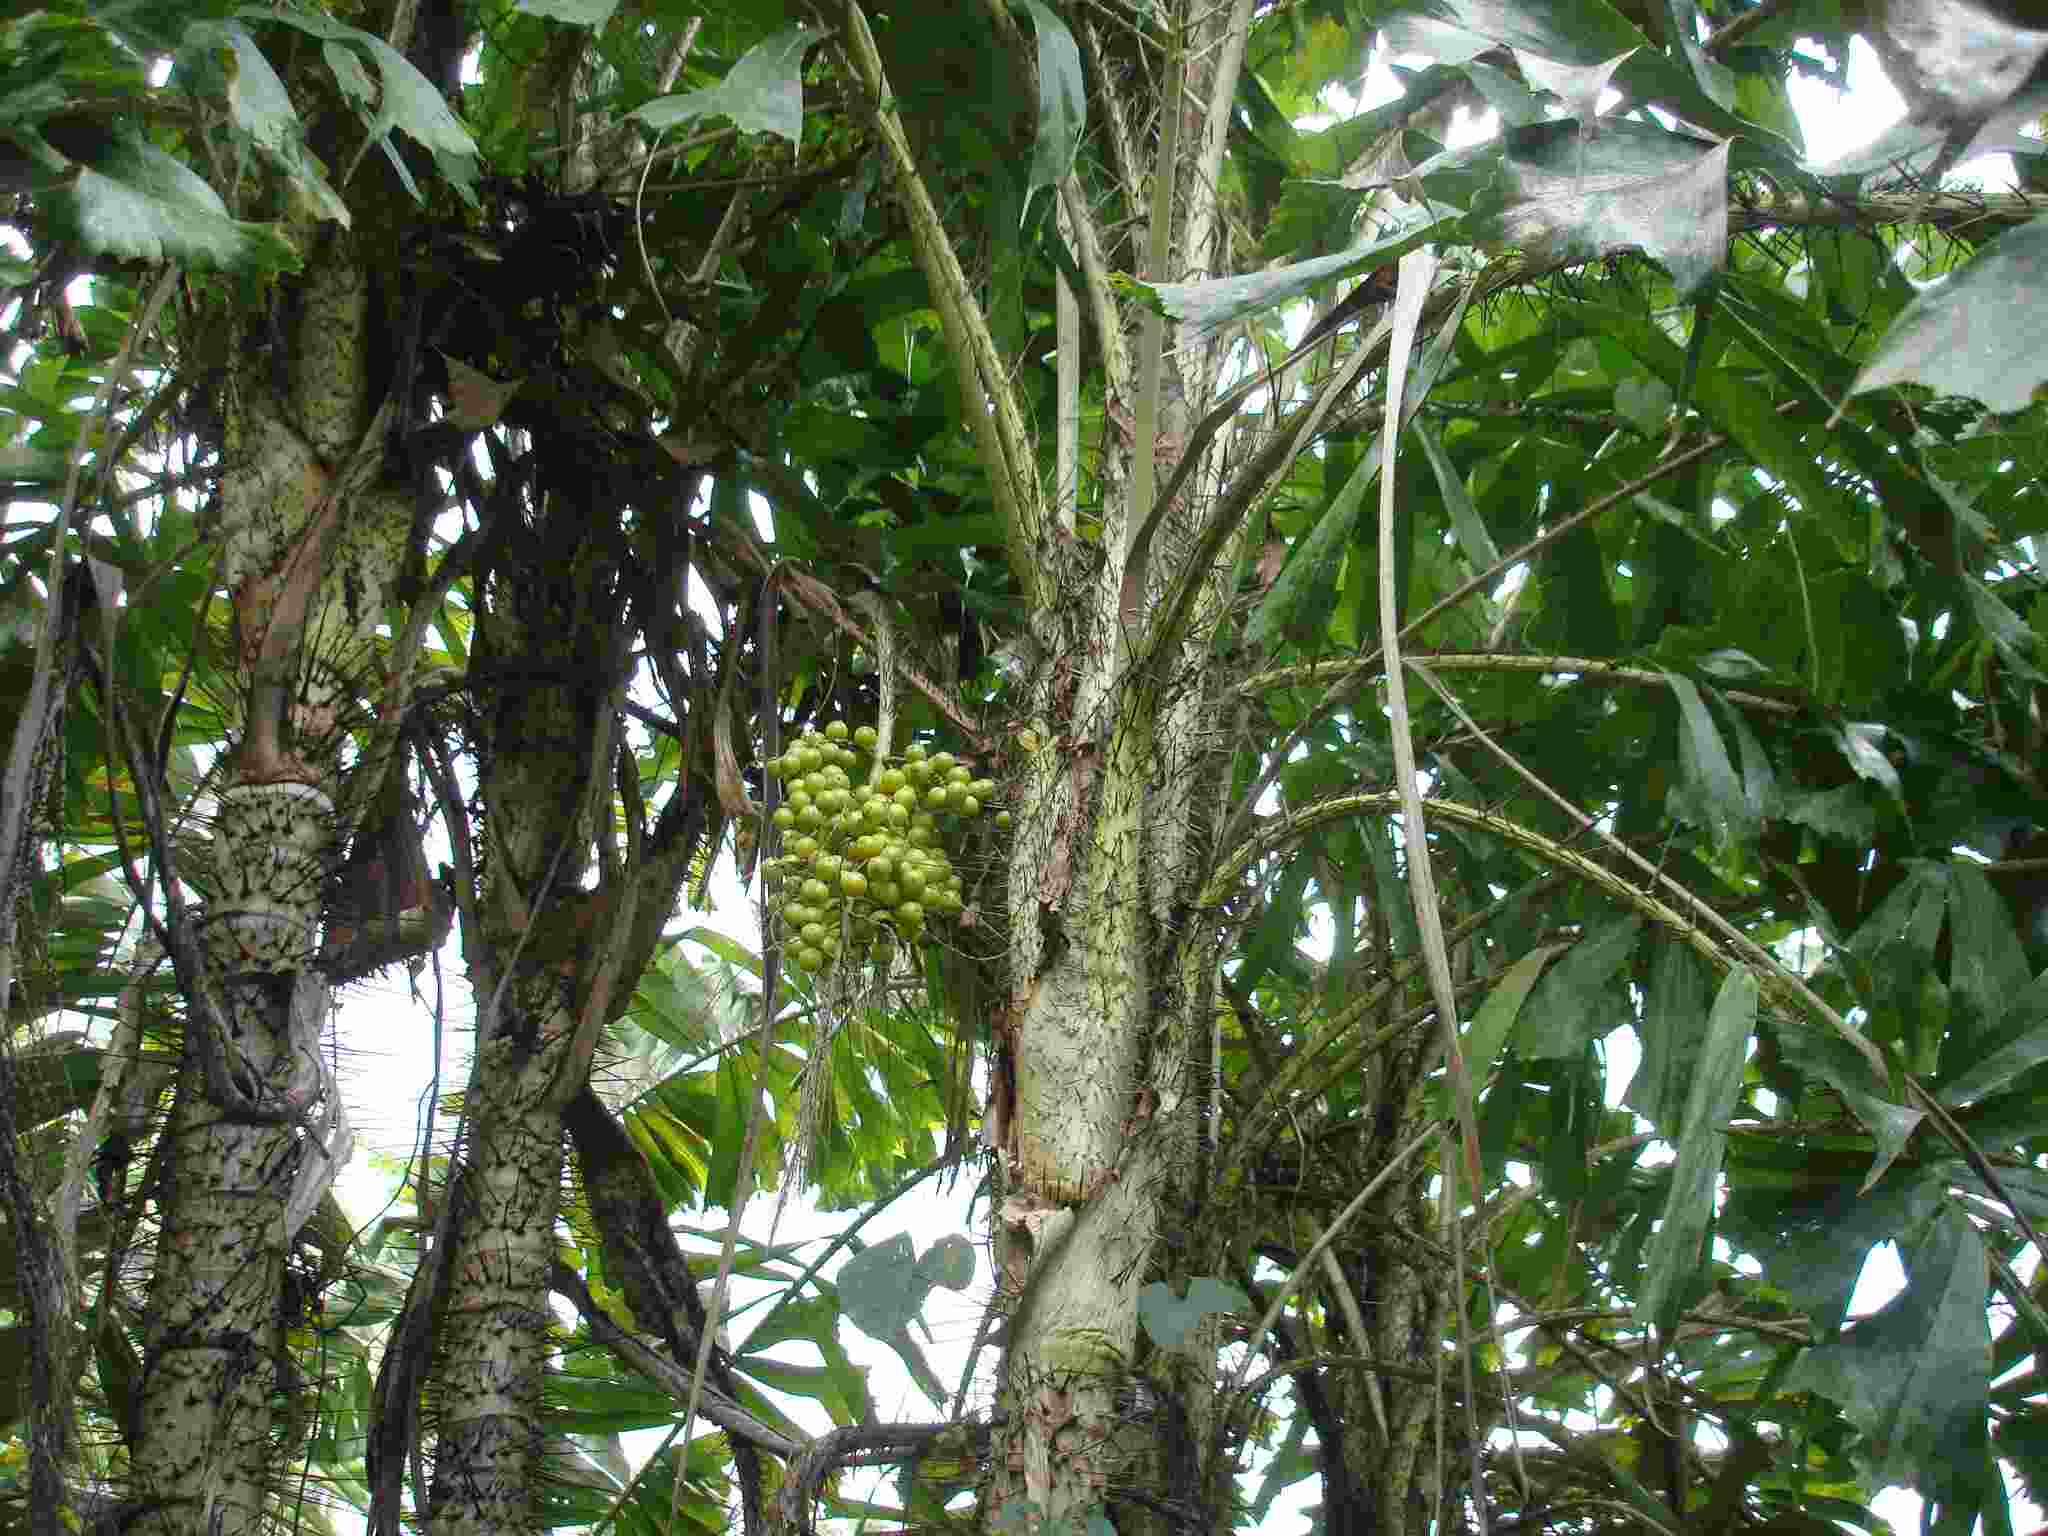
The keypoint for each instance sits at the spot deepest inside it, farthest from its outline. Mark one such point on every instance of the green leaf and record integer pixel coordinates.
(1635, 187)
(1226, 300)
(575, 13)
(1760, 796)
(406, 99)
(1578, 86)
(1673, 1033)
(946, 533)
(730, 950)
(1487, 1035)
(2016, 644)
(2025, 1023)
(1517, 105)
(1062, 98)
(1988, 968)
(1644, 401)
(1576, 1001)
(1950, 122)
(1744, 412)
(1308, 578)
(1169, 1319)
(1914, 1377)
(1708, 793)
(1579, 617)
(1409, 32)
(258, 105)
(762, 93)
(1818, 1053)
(1473, 538)
(1716, 80)
(1845, 814)
(1585, 32)
(1861, 742)
(1982, 332)
(138, 204)
(1813, 1239)
(1677, 1251)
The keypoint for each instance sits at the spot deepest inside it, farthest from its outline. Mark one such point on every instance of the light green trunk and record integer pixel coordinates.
(495, 1328)
(207, 1446)
(206, 1453)
(546, 776)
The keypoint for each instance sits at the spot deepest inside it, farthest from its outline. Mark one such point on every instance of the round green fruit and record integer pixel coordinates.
(865, 738)
(811, 959)
(854, 883)
(836, 731)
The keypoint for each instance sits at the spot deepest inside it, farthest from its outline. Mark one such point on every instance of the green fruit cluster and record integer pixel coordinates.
(863, 868)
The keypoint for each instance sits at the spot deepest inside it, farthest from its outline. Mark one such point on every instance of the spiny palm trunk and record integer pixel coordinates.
(495, 1332)
(1096, 1120)
(314, 537)
(1102, 1081)
(545, 779)
(207, 1452)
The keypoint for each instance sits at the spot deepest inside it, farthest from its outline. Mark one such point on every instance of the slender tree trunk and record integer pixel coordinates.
(1109, 990)
(1104, 1049)
(549, 614)
(314, 539)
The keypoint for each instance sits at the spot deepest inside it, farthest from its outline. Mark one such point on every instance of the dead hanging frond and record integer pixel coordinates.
(383, 905)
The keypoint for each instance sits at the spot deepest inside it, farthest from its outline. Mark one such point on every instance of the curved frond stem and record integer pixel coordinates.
(1590, 669)
(986, 397)
(1365, 665)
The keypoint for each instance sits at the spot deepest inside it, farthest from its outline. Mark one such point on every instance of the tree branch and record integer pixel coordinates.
(630, 1352)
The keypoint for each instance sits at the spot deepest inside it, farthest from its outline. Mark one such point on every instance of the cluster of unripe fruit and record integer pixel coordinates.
(863, 867)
